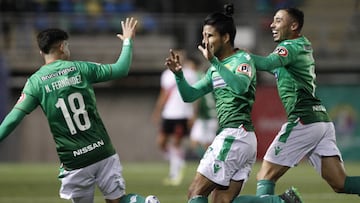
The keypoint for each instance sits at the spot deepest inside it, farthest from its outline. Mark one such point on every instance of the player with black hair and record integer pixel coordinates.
(63, 89)
(227, 162)
(309, 132)
(174, 118)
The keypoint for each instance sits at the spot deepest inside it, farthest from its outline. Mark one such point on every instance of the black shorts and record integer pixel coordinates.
(175, 126)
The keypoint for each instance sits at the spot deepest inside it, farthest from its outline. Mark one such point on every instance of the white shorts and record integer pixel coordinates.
(106, 174)
(296, 141)
(204, 130)
(230, 156)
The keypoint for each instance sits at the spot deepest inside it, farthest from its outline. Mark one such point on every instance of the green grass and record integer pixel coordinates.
(38, 183)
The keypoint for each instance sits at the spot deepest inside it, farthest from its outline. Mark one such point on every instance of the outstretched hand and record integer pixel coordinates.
(173, 62)
(205, 50)
(128, 28)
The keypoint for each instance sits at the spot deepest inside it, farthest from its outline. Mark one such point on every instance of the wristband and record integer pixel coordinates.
(127, 41)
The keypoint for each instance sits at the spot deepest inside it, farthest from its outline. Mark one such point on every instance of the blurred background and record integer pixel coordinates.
(126, 105)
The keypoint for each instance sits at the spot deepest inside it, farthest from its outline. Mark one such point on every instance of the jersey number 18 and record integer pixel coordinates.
(77, 107)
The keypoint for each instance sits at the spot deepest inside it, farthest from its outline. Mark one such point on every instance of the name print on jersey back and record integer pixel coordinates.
(65, 92)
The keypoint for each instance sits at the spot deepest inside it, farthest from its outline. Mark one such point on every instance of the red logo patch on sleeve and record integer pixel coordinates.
(244, 68)
(21, 98)
(282, 51)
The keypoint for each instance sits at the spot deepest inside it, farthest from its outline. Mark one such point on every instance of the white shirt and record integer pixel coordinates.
(175, 107)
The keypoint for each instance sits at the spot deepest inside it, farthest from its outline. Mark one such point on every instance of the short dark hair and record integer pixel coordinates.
(46, 39)
(297, 15)
(223, 22)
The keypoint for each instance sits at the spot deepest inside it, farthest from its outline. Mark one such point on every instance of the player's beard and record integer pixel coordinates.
(218, 52)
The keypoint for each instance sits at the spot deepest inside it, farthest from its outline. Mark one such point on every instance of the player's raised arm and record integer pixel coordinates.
(128, 28)
(188, 93)
(122, 65)
(173, 63)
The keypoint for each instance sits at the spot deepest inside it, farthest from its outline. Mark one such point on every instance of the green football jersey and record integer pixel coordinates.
(286, 89)
(206, 108)
(296, 81)
(64, 91)
(234, 109)
(206, 104)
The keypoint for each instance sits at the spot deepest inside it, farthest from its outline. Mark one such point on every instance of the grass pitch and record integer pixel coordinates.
(30, 183)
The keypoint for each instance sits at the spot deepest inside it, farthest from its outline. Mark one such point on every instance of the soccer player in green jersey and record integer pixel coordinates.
(63, 89)
(232, 78)
(309, 131)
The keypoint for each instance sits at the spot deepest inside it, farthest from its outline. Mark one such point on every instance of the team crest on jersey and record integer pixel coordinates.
(21, 98)
(244, 68)
(282, 51)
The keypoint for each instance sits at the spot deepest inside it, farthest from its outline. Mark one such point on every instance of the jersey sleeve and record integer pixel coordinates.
(239, 78)
(10, 122)
(28, 101)
(122, 66)
(103, 72)
(280, 57)
(191, 93)
(285, 52)
(95, 72)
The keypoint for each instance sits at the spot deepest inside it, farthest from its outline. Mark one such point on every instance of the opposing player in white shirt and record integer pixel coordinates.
(174, 117)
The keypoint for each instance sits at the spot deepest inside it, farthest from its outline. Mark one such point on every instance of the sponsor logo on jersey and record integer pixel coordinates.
(58, 73)
(318, 108)
(282, 51)
(21, 98)
(88, 148)
(244, 68)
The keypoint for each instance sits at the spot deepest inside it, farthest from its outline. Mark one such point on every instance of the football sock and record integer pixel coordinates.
(257, 199)
(198, 199)
(352, 185)
(133, 198)
(265, 187)
(177, 162)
